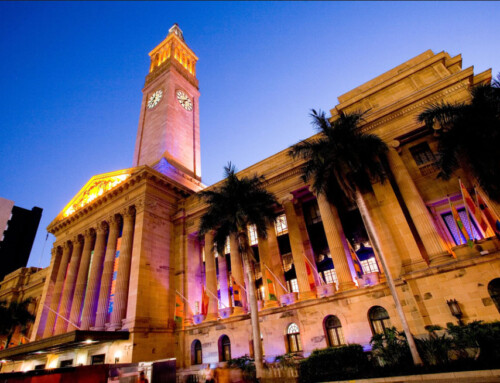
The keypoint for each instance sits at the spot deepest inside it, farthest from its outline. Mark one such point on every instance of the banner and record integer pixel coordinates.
(488, 213)
(310, 277)
(270, 286)
(115, 275)
(355, 261)
(179, 312)
(236, 293)
(473, 208)
(204, 301)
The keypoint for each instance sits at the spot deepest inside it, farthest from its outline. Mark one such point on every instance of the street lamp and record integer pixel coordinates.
(456, 311)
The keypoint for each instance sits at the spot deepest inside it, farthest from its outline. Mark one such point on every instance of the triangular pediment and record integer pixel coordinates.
(94, 188)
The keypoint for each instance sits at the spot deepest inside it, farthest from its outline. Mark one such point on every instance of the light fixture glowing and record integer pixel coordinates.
(89, 341)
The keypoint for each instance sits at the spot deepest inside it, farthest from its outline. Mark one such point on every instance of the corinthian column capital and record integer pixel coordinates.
(101, 228)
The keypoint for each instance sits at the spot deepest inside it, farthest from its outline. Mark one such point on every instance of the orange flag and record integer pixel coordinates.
(236, 293)
(473, 208)
(270, 286)
(204, 301)
(310, 276)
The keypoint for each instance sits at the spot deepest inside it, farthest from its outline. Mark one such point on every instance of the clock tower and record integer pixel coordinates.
(168, 136)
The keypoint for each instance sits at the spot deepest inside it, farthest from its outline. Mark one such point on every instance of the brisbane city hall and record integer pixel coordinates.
(127, 248)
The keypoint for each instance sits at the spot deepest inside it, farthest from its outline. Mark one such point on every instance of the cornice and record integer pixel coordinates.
(164, 67)
(415, 101)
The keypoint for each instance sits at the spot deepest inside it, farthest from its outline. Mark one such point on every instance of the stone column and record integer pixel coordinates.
(81, 280)
(210, 277)
(412, 257)
(275, 262)
(265, 260)
(237, 273)
(94, 282)
(335, 238)
(298, 250)
(194, 279)
(122, 279)
(69, 286)
(386, 241)
(56, 295)
(223, 281)
(432, 241)
(107, 273)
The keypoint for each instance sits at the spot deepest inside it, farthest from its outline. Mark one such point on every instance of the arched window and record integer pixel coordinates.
(196, 354)
(494, 291)
(293, 337)
(333, 330)
(379, 319)
(224, 348)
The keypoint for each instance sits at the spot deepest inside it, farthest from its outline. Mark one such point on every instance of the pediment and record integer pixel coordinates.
(97, 186)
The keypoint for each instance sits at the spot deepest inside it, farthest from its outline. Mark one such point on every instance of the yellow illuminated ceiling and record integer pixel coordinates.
(96, 187)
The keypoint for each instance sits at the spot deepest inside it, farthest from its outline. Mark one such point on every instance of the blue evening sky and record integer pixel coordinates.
(72, 74)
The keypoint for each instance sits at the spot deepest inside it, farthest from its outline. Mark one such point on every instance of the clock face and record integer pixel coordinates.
(155, 98)
(184, 100)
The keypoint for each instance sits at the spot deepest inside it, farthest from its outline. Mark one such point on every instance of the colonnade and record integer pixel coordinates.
(82, 290)
(432, 247)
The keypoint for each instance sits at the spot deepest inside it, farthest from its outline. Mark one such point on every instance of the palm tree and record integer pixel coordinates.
(344, 161)
(232, 207)
(469, 135)
(15, 315)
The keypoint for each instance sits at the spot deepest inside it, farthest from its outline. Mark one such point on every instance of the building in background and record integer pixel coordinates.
(129, 274)
(18, 228)
(18, 286)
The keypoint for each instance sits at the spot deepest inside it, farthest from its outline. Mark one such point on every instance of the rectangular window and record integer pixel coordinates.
(281, 225)
(252, 235)
(329, 276)
(66, 363)
(424, 158)
(422, 154)
(369, 265)
(453, 229)
(98, 359)
(293, 285)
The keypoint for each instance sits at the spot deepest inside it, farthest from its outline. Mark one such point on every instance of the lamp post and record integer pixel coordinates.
(456, 311)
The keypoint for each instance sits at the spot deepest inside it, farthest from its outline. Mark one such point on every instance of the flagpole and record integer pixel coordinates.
(216, 297)
(456, 224)
(466, 209)
(275, 277)
(60, 316)
(185, 299)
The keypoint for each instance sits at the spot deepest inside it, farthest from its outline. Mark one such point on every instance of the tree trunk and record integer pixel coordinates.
(254, 311)
(365, 215)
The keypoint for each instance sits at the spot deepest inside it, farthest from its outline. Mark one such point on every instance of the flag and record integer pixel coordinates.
(236, 293)
(355, 261)
(270, 286)
(179, 312)
(310, 276)
(204, 301)
(488, 213)
(460, 225)
(473, 208)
